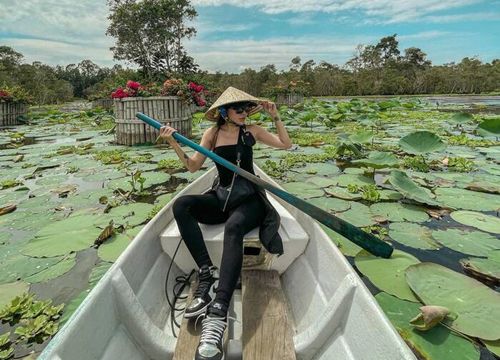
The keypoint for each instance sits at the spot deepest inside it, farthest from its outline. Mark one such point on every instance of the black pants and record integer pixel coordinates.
(204, 208)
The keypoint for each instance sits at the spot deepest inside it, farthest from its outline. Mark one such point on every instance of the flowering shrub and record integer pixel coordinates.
(15, 94)
(190, 93)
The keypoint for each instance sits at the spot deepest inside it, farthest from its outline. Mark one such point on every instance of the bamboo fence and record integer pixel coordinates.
(10, 112)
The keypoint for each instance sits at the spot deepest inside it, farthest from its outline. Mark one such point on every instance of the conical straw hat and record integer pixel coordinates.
(229, 96)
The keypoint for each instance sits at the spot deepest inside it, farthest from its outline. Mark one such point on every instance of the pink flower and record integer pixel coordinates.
(119, 93)
(133, 85)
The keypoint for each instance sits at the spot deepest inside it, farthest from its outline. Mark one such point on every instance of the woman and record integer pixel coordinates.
(229, 136)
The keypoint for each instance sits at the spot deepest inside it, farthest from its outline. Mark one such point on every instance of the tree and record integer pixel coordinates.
(149, 33)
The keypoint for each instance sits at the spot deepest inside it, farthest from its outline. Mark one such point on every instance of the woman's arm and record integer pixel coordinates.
(282, 141)
(192, 163)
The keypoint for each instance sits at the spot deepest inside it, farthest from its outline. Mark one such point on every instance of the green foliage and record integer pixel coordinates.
(155, 210)
(159, 23)
(460, 164)
(170, 164)
(37, 319)
(464, 139)
(272, 168)
(5, 184)
(377, 230)
(415, 163)
(111, 156)
(368, 192)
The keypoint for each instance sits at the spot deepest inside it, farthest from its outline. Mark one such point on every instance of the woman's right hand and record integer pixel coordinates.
(166, 132)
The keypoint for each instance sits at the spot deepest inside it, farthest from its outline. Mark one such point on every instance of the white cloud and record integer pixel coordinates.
(389, 11)
(236, 55)
(462, 17)
(57, 31)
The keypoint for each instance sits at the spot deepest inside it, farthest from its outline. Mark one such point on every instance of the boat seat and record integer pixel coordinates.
(267, 329)
(255, 255)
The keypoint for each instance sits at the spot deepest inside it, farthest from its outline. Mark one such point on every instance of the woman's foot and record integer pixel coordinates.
(207, 282)
(213, 328)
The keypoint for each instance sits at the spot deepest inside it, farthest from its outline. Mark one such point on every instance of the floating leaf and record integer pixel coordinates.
(480, 221)
(379, 160)
(421, 142)
(331, 204)
(436, 344)
(489, 127)
(486, 269)
(484, 186)
(111, 249)
(11, 290)
(468, 242)
(303, 190)
(75, 233)
(58, 269)
(467, 200)
(409, 189)
(396, 212)
(358, 215)
(347, 247)
(461, 117)
(413, 235)
(476, 305)
(342, 193)
(361, 137)
(430, 316)
(387, 274)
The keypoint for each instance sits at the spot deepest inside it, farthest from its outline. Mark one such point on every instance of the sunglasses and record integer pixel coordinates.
(239, 108)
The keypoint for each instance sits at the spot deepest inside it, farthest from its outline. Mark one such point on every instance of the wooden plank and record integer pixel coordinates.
(267, 330)
(189, 337)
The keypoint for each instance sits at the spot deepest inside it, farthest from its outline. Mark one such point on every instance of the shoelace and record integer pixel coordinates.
(212, 330)
(203, 287)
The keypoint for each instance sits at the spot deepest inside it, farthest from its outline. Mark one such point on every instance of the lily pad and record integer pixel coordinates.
(358, 215)
(468, 242)
(11, 290)
(58, 269)
(331, 204)
(489, 127)
(113, 247)
(152, 178)
(322, 182)
(461, 117)
(342, 193)
(409, 189)
(421, 142)
(304, 190)
(388, 274)
(480, 221)
(355, 179)
(477, 306)
(133, 214)
(379, 160)
(75, 233)
(348, 248)
(487, 269)
(437, 343)
(396, 212)
(467, 200)
(413, 235)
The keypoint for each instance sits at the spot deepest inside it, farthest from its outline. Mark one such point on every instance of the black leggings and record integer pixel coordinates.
(204, 208)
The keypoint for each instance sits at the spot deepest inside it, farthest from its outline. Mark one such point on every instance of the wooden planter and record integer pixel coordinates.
(107, 104)
(289, 99)
(10, 112)
(131, 131)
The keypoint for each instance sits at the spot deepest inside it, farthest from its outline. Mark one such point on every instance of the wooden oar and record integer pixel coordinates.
(365, 240)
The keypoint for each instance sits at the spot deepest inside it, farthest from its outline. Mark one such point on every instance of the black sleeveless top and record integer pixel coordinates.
(229, 152)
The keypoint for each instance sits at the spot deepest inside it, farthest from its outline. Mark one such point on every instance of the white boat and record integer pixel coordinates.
(332, 314)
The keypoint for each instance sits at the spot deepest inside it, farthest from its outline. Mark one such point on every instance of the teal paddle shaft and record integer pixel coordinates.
(367, 241)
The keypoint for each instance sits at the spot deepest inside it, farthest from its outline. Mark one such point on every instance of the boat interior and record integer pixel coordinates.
(306, 304)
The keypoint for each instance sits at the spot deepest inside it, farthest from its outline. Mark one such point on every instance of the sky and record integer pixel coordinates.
(233, 35)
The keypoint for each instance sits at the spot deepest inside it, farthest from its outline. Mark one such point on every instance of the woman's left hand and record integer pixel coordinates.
(270, 108)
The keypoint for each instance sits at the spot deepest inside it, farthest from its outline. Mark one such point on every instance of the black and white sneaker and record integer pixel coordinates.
(208, 279)
(213, 328)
